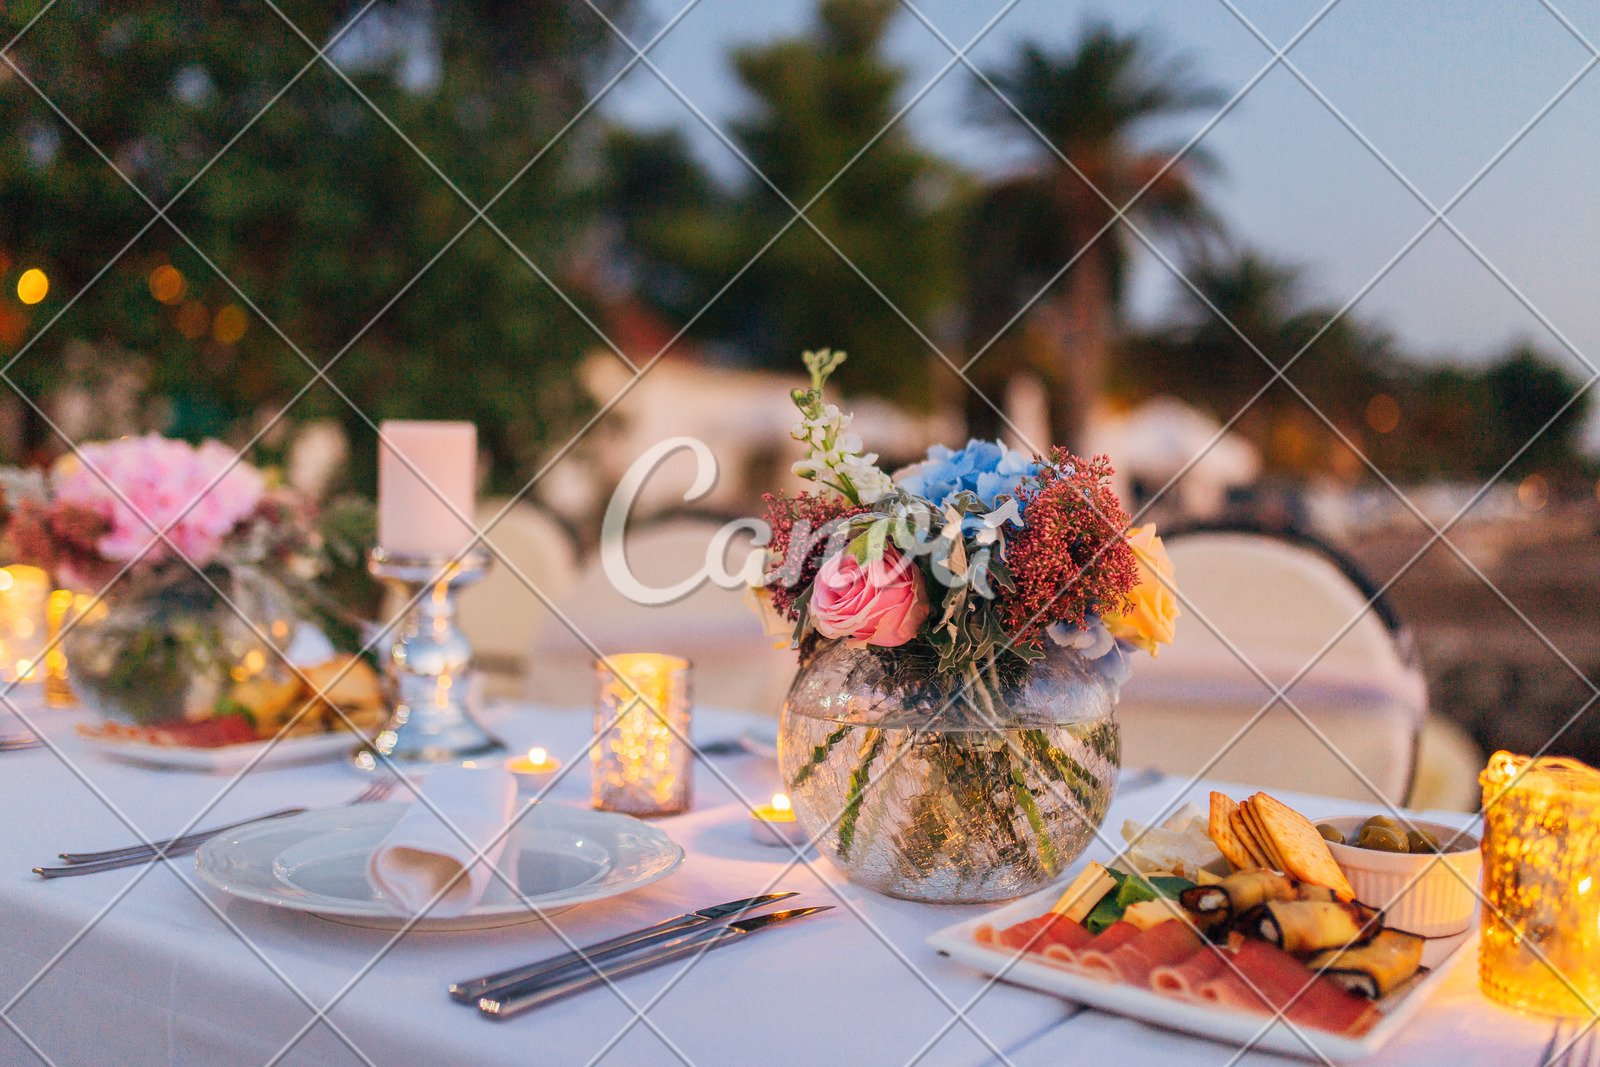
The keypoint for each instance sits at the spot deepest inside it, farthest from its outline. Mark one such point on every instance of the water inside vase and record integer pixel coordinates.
(950, 815)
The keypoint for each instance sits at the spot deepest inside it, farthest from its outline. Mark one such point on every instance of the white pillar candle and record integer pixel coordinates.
(427, 474)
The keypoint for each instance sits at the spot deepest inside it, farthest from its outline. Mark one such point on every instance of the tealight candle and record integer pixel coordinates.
(533, 768)
(775, 824)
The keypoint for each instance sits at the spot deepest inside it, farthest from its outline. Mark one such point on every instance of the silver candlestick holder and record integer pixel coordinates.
(429, 666)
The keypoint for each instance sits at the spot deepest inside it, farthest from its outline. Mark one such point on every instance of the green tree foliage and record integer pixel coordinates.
(1453, 421)
(816, 101)
(320, 212)
(1473, 421)
(1085, 116)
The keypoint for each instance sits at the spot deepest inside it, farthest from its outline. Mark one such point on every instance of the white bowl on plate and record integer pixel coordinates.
(1440, 900)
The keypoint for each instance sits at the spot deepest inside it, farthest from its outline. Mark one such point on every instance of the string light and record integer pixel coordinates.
(32, 286)
(167, 284)
(1383, 413)
(1534, 492)
(230, 324)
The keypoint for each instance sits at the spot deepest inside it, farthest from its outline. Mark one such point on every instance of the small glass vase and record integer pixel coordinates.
(952, 789)
(170, 648)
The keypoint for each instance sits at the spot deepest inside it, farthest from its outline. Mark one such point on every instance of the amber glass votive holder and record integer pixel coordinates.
(1541, 885)
(641, 763)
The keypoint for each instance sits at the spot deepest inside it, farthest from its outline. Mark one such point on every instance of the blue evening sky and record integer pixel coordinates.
(1438, 86)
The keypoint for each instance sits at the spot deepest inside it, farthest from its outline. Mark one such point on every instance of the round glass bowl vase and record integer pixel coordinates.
(953, 789)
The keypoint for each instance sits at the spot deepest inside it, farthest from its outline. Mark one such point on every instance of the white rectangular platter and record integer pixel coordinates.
(1231, 1027)
(229, 758)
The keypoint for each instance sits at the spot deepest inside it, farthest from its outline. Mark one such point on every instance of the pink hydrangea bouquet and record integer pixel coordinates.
(202, 563)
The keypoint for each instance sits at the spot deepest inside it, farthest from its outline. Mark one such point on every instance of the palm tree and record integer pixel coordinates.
(1084, 116)
(1246, 315)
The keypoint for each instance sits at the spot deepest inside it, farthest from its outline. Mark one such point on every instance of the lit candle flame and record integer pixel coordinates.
(537, 756)
(780, 802)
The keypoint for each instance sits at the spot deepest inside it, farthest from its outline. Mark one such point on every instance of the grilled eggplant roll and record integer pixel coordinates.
(1301, 926)
(1307, 891)
(1375, 969)
(1235, 895)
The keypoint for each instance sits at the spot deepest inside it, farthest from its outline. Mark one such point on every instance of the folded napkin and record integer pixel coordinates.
(422, 855)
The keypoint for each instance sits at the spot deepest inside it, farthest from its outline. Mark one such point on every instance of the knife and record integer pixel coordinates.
(535, 993)
(470, 990)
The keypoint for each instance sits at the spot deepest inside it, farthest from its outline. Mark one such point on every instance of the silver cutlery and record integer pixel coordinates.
(728, 746)
(472, 989)
(1133, 781)
(1550, 1046)
(1584, 1052)
(172, 846)
(539, 992)
(17, 742)
(77, 863)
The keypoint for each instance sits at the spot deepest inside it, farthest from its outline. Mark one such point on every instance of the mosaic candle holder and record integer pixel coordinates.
(641, 762)
(1541, 883)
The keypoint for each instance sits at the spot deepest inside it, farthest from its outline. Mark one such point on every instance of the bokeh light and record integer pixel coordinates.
(230, 324)
(192, 320)
(32, 286)
(1534, 492)
(167, 284)
(1383, 413)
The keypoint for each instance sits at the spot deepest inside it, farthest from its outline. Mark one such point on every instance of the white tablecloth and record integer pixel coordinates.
(160, 979)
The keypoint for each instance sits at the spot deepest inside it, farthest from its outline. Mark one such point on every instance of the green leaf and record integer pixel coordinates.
(1131, 889)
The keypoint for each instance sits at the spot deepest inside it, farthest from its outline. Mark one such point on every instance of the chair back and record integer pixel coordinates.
(1269, 610)
(735, 663)
(500, 615)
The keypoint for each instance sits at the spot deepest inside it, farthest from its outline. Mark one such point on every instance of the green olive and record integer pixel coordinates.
(1381, 839)
(1330, 833)
(1383, 821)
(1421, 841)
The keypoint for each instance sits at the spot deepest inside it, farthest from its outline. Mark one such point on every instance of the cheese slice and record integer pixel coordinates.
(1148, 913)
(1084, 893)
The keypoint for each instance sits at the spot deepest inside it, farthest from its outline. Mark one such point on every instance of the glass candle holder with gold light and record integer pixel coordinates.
(24, 627)
(641, 762)
(1541, 884)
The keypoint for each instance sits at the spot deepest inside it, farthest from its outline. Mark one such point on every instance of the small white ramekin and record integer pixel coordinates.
(1440, 900)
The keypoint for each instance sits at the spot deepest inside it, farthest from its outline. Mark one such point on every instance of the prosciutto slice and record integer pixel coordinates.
(1052, 935)
(1163, 944)
(1278, 978)
(1184, 979)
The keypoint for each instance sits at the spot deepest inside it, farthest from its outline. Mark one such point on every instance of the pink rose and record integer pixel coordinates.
(883, 603)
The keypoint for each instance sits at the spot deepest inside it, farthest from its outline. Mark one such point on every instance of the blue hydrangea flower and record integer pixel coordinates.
(987, 469)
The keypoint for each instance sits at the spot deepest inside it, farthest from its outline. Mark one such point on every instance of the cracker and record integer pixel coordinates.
(1247, 839)
(1305, 854)
(1259, 835)
(1222, 835)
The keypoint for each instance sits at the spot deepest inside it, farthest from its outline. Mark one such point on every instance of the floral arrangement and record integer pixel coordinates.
(169, 647)
(973, 559)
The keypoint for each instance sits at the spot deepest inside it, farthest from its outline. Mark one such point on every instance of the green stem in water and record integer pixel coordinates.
(858, 787)
(1030, 808)
(819, 755)
(1063, 768)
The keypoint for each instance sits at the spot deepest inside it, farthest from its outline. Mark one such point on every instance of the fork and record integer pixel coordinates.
(18, 741)
(1584, 1052)
(77, 863)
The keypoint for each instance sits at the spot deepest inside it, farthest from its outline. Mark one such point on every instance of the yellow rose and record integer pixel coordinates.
(1150, 621)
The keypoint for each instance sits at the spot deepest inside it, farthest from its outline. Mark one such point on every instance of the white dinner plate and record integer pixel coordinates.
(317, 863)
(1233, 1027)
(307, 748)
